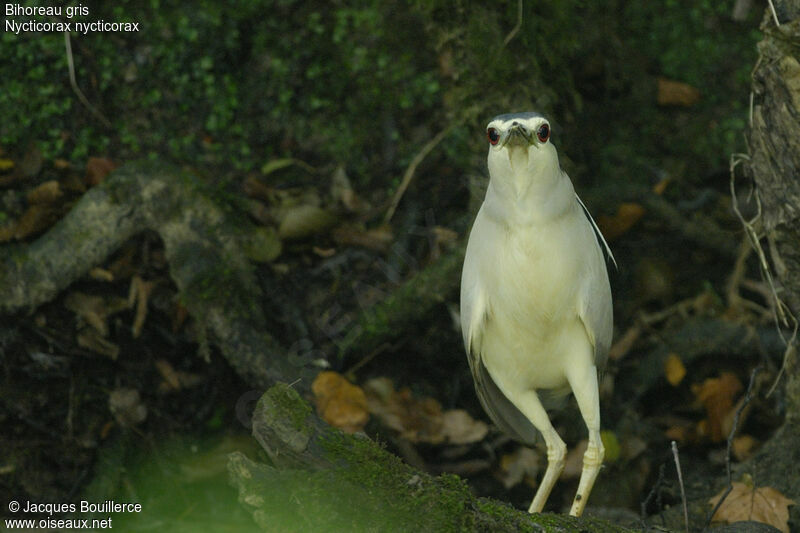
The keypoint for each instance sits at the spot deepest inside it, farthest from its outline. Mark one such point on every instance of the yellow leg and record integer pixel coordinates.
(583, 381)
(532, 408)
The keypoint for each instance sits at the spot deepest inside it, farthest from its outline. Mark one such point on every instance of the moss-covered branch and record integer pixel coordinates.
(203, 247)
(324, 480)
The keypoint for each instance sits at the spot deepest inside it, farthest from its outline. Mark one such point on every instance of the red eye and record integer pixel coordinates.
(493, 136)
(543, 133)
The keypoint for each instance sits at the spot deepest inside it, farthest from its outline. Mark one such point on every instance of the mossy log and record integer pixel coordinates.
(322, 479)
(203, 244)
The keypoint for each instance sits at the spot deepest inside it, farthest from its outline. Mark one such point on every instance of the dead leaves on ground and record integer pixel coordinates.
(717, 396)
(762, 504)
(676, 93)
(418, 420)
(720, 399)
(340, 403)
(48, 201)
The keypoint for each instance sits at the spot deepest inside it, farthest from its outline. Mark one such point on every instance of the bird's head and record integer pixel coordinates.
(520, 151)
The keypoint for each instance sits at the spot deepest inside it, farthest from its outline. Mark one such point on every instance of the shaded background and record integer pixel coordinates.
(312, 112)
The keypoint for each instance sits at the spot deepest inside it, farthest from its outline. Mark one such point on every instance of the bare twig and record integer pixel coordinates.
(412, 167)
(748, 395)
(517, 27)
(783, 315)
(73, 82)
(774, 14)
(674, 447)
(655, 492)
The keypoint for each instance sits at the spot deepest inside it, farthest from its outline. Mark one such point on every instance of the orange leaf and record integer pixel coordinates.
(743, 447)
(339, 402)
(97, 168)
(674, 369)
(671, 92)
(628, 214)
(716, 395)
(762, 504)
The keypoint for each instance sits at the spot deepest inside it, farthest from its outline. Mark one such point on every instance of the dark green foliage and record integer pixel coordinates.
(366, 84)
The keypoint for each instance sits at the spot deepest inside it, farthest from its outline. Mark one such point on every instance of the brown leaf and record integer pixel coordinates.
(377, 239)
(628, 214)
(339, 402)
(671, 92)
(717, 395)
(762, 504)
(46, 193)
(97, 168)
(674, 370)
(420, 419)
(743, 447)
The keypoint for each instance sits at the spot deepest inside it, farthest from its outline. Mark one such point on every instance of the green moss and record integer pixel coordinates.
(287, 401)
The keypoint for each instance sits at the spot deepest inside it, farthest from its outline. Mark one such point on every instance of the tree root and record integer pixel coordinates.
(202, 246)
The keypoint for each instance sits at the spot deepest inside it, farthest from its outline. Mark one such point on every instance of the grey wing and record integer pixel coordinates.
(475, 315)
(595, 306)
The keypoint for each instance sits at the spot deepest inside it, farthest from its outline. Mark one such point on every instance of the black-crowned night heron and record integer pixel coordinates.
(535, 298)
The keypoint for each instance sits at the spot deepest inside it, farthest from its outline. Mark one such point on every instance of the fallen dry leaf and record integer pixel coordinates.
(97, 168)
(522, 464)
(674, 370)
(46, 193)
(377, 239)
(717, 395)
(762, 504)
(420, 419)
(339, 402)
(627, 215)
(743, 447)
(671, 92)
